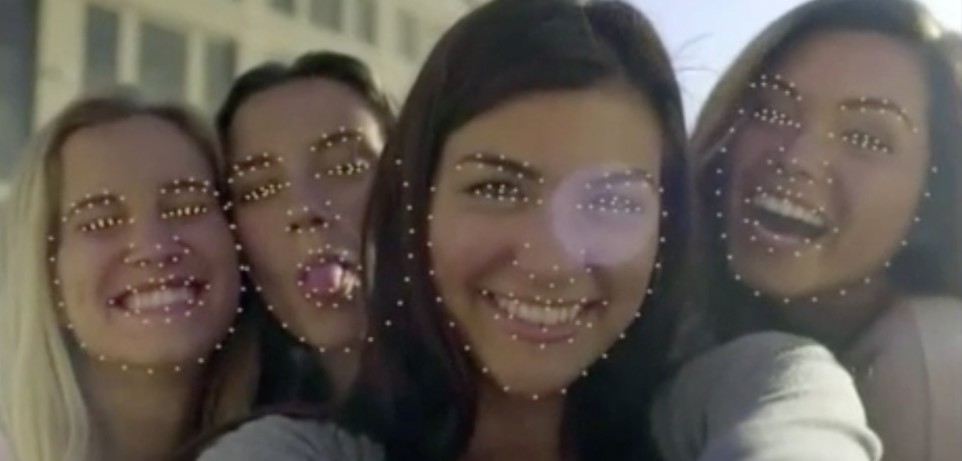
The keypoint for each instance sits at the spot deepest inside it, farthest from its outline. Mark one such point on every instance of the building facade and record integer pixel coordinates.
(190, 50)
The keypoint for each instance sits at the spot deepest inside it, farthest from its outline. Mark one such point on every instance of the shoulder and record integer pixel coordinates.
(910, 376)
(289, 439)
(926, 330)
(762, 357)
(758, 394)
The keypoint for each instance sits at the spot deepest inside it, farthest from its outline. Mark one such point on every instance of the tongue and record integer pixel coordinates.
(325, 279)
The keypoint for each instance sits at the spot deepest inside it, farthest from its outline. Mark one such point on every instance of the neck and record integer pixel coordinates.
(140, 416)
(834, 318)
(341, 369)
(514, 427)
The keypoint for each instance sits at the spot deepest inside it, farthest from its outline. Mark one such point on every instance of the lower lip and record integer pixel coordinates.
(536, 333)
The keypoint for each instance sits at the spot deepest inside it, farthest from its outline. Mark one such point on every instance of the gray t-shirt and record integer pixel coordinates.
(284, 439)
(764, 397)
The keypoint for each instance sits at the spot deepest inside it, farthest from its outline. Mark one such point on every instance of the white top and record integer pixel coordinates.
(908, 368)
(763, 397)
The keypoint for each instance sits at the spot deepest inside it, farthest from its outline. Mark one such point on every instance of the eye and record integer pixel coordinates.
(261, 193)
(102, 224)
(352, 168)
(613, 204)
(771, 116)
(498, 191)
(185, 212)
(866, 141)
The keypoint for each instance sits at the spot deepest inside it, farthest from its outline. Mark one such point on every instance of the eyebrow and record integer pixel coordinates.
(631, 175)
(501, 163)
(180, 186)
(334, 138)
(91, 200)
(777, 84)
(253, 162)
(878, 105)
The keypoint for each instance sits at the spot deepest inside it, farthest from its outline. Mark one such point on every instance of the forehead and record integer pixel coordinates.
(135, 154)
(835, 66)
(298, 112)
(559, 132)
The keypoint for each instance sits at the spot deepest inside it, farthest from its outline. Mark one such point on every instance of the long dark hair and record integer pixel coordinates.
(288, 369)
(417, 393)
(931, 264)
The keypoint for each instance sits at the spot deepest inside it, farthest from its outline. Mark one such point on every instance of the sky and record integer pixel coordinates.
(704, 36)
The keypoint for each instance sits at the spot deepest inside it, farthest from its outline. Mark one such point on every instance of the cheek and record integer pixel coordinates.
(350, 201)
(80, 270)
(883, 207)
(212, 237)
(460, 256)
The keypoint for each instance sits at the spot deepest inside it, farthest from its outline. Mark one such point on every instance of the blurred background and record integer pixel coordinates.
(189, 50)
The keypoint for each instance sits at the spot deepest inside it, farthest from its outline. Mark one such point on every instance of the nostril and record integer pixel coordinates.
(307, 224)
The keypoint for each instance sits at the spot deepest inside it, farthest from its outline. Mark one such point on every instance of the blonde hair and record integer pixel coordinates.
(42, 408)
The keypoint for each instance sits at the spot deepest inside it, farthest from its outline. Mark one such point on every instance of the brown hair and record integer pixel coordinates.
(932, 263)
(417, 390)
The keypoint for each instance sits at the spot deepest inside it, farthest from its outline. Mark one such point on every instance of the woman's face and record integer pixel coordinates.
(545, 231)
(145, 262)
(828, 165)
(302, 156)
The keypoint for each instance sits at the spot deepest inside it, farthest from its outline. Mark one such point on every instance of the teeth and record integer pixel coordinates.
(787, 208)
(158, 299)
(539, 313)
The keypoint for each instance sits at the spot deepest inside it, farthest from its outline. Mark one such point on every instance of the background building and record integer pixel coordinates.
(51, 51)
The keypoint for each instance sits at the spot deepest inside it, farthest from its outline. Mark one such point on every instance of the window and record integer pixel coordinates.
(409, 40)
(286, 7)
(101, 39)
(328, 14)
(163, 62)
(221, 59)
(18, 32)
(367, 20)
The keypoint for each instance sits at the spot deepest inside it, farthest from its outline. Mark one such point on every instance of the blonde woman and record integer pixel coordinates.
(827, 162)
(120, 282)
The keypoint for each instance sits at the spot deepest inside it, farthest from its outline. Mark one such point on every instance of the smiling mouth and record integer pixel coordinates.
(787, 219)
(174, 294)
(539, 321)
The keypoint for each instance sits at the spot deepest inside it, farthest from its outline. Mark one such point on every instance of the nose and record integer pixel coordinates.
(542, 256)
(807, 158)
(153, 244)
(310, 211)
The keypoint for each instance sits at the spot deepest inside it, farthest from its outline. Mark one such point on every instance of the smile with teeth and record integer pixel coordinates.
(541, 314)
(789, 209)
(160, 297)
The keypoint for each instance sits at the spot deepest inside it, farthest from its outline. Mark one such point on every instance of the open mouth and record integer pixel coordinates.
(787, 219)
(329, 280)
(161, 297)
(540, 321)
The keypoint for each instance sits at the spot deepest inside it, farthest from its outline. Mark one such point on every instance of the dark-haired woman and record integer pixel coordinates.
(529, 228)
(828, 162)
(301, 142)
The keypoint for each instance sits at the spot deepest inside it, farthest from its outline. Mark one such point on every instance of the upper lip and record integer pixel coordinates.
(343, 257)
(547, 301)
